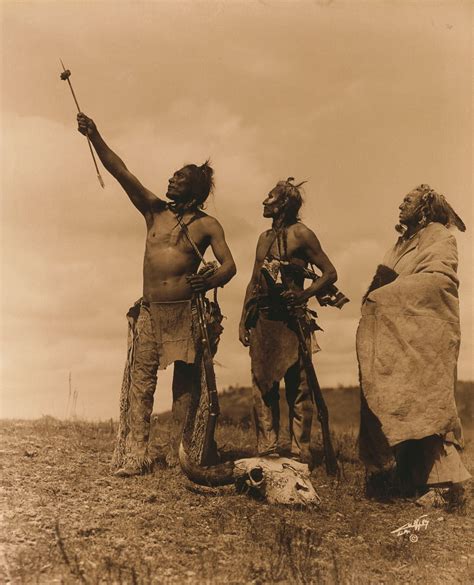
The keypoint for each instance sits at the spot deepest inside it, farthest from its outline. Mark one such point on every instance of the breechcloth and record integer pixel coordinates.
(274, 353)
(172, 326)
(159, 334)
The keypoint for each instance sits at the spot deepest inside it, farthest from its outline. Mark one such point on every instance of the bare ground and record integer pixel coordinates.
(67, 520)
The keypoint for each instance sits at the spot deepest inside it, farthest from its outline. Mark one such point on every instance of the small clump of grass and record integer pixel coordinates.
(288, 552)
(456, 500)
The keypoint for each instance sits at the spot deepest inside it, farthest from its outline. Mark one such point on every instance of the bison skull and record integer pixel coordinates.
(277, 479)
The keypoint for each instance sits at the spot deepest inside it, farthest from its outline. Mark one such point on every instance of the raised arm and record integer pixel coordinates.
(143, 199)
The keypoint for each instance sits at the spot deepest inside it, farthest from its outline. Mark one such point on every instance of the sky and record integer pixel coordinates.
(364, 100)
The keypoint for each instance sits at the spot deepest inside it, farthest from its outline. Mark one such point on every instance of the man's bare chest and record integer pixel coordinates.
(281, 247)
(167, 232)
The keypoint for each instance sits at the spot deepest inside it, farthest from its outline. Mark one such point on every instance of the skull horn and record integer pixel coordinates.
(213, 476)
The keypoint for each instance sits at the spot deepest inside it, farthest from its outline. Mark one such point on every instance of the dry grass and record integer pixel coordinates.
(67, 520)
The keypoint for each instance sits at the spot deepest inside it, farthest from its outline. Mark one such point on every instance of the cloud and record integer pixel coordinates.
(362, 103)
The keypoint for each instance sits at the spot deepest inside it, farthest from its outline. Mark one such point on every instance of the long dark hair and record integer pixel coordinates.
(202, 184)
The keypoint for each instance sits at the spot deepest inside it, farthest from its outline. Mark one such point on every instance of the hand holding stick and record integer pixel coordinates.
(65, 75)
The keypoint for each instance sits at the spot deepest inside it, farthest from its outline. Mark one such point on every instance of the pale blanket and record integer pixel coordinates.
(408, 340)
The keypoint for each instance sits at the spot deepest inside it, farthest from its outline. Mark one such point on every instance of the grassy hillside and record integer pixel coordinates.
(67, 520)
(343, 404)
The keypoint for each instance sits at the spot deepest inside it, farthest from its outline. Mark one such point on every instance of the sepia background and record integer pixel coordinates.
(364, 100)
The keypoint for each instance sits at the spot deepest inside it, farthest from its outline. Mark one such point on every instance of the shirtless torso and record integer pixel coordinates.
(170, 263)
(302, 247)
(169, 257)
(290, 247)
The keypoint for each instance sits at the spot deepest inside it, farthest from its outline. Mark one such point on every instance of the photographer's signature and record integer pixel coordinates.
(417, 525)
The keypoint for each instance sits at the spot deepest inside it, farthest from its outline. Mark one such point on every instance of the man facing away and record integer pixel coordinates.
(284, 251)
(163, 323)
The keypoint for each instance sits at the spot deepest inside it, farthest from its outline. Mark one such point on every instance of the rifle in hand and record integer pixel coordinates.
(295, 323)
(209, 452)
(209, 455)
(296, 318)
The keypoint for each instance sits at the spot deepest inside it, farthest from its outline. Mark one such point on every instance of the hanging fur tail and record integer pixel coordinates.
(383, 275)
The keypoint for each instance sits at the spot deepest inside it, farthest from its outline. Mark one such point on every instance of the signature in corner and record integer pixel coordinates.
(417, 524)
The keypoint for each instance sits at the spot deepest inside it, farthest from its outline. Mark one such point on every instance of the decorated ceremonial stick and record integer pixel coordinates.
(65, 75)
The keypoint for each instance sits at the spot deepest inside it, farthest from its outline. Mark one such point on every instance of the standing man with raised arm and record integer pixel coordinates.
(283, 253)
(163, 322)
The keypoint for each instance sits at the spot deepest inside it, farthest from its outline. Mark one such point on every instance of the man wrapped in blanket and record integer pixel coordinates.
(407, 346)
